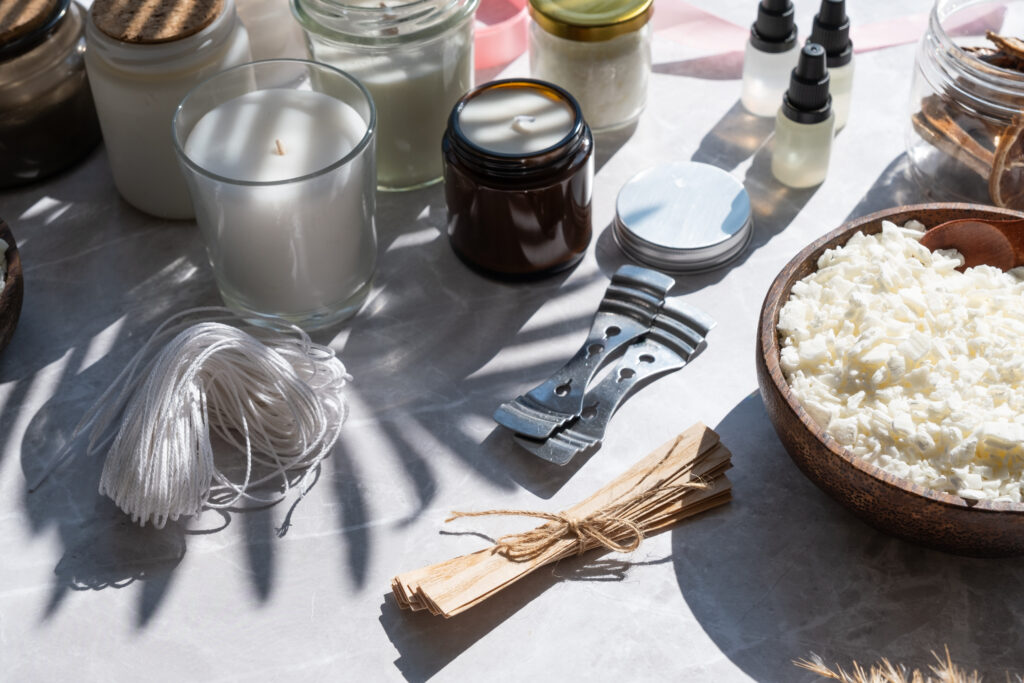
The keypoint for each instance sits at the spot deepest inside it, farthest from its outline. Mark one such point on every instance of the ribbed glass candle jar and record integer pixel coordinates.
(415, 58)
(519, 190)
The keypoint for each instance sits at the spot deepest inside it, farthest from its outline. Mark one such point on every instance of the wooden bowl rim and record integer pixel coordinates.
(13, 268)
(768, 341)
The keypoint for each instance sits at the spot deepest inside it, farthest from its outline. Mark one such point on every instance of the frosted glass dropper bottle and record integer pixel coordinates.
(832, 31)
(805, 123)
(770, 55)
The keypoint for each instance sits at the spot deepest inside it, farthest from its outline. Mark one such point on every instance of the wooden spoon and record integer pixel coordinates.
(994, 243)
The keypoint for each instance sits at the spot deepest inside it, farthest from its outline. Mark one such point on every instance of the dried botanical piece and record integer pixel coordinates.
(678, 480)
(944, 671)
(1006, 182)
(1012, 48)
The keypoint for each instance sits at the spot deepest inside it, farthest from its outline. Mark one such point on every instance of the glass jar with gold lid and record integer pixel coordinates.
(598, 50)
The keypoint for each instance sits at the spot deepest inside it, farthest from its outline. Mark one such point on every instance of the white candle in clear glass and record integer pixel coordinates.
(289, 229)
(515, 120)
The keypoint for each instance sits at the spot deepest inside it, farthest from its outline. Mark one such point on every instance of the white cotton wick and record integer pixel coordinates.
(272, 395)
(523, 123)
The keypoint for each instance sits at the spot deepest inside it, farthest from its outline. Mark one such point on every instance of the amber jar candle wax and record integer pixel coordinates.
(518, 173)
(47, 119)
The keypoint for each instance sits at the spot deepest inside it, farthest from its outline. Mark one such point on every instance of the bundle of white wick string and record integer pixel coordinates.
(269, 393)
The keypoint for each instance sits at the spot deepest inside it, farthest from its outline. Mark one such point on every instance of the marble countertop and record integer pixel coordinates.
(732, 595)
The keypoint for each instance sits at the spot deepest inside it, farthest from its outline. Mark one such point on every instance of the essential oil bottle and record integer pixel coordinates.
(805, 123)
(770, 55)
(832, 31)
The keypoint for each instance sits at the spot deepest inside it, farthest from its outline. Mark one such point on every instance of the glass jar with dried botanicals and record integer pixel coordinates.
(964, 132)
(47, 119)
(519, 175)
(416, 59)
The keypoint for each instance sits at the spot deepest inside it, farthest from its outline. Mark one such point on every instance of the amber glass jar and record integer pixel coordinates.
(519, 175)
(47, 118)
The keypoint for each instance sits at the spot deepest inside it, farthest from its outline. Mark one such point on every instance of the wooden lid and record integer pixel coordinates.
(19, 17)
(154, 21)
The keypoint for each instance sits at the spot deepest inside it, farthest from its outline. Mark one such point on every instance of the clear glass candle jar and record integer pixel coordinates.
(137, 84)
(964, 131)
(278, 156)
(597, 50)
(519, 174)
(415, 58)
(47, 118)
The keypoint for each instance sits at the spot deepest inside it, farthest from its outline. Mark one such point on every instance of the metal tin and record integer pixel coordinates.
(683, 217)
(591, 20)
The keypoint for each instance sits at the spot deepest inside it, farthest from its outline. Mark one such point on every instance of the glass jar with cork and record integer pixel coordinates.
(47, 119)
(141, 64)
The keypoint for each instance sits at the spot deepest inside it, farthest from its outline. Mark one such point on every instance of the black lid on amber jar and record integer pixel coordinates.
(518, 166)
(24, 30)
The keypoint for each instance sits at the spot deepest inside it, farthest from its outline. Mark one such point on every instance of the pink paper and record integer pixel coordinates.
(909, 29)
(691, 26)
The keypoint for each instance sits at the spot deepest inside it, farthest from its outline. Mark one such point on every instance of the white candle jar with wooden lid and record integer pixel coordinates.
(415, 58)
(598, 50)
(142, 60)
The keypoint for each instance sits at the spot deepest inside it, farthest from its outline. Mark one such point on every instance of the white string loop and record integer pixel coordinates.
(269, 393)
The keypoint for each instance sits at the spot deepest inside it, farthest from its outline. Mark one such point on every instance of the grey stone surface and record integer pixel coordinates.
(732, 595)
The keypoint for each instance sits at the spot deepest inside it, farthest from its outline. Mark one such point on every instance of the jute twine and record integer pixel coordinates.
(618, 527)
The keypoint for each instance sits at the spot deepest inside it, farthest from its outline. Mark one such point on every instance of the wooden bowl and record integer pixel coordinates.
(890, 503)
(10, 297)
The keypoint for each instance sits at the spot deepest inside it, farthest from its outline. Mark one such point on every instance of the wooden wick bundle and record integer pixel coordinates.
(678, 480)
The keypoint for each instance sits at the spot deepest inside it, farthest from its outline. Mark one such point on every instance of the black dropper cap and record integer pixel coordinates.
(807, 100)
(775, 29)
(832, 31)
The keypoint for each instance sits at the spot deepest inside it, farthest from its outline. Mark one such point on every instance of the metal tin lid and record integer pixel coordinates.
(591, 20)
(683, 217)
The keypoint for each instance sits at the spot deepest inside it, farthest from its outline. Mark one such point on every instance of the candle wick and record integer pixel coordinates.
(279, 147)
(521, 123)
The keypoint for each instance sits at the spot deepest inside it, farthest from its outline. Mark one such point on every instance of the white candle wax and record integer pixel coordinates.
(413, 92)
(516, 120)
(293, 248)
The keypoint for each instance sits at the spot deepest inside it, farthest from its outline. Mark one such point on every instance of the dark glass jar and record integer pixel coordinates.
(520, 214)
(47, 118)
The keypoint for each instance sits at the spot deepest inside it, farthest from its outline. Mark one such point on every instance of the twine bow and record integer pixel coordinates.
(616, 527)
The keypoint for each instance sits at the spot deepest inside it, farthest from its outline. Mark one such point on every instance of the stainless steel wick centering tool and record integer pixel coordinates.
(676, 337)
(561, 417)
(626, 312)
